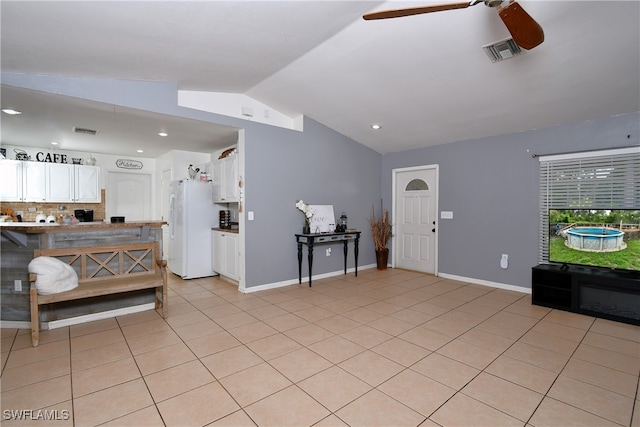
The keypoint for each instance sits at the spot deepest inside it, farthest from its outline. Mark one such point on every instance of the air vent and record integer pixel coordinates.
(501, 50)
(85, 131)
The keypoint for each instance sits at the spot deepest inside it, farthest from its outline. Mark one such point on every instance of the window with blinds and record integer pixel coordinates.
(607, 179)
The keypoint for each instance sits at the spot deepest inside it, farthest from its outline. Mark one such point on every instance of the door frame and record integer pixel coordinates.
(394, 198)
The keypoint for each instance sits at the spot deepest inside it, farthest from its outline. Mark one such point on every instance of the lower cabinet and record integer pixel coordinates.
(225, 253)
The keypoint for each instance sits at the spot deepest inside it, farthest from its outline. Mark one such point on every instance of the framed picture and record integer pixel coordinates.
(323, 219)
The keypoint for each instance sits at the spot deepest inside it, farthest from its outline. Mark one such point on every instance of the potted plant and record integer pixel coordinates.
(381, 229)
(308, 214)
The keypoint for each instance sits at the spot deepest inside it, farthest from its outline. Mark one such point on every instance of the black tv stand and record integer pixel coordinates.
(609, 294)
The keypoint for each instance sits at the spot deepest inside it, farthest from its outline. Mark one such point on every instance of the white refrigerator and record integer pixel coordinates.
(192, 214)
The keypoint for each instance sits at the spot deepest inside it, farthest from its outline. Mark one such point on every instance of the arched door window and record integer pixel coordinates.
(416, 185)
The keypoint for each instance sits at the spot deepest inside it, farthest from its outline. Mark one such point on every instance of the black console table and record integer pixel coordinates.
(613, 295)
(311, 239)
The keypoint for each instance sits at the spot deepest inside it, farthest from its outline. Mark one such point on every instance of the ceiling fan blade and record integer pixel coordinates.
(397, 13)
(523, 28)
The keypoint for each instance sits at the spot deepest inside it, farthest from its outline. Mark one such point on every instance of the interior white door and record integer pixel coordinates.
(129, 195)
(415, 217)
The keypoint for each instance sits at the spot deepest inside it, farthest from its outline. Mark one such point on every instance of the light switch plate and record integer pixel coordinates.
(446, 214)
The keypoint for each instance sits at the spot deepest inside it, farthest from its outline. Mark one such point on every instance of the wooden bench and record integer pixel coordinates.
(101, 271)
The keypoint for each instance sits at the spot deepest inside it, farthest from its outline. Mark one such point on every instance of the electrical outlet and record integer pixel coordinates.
(17, 285)
(328, 251)
(32, 210)
(21, 213)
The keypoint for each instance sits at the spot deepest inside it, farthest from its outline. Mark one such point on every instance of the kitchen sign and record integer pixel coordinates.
(128, 164)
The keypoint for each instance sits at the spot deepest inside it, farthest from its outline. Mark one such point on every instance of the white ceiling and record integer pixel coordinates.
(424, 78)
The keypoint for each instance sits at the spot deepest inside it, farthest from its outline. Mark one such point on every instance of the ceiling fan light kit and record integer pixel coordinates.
(526, 32)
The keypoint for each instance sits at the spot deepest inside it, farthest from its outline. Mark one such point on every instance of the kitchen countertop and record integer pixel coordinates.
(44, 228)
(227, 230)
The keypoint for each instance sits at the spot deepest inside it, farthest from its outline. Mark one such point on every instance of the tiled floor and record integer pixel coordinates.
(389, 348)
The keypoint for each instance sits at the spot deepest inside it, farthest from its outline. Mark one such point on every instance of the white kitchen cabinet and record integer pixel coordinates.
(60, 184)
(225, 253)
(11, 180)
(24, 181)
(87, 184)
(225, 180)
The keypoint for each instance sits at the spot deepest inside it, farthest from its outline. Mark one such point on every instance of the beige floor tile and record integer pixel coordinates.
(336, 349)
(236, 419)
(99, 339)
(111, 403)
(98, 356)
(252, 332)
(400, 351)
(163, 358)
(537, 356)
(552, 412)
(39, 395)
(391, 325)
(32, 373)
(363, 315)
(338, 324)
(462, 410)
(468, 354)
(195, 408)
(602, 376)
(145, 343)
(446, 371)
(286, 322)
(420, 393)
(522, 373)
(273, 346)
(561, 331)
(49, 336)
(619, 345)
(184, 319)
(300, 364)
(605, 357)
(313, 314)
(452, 329)
(573, 320)
(510, 398)
(377, 409)
(104, 376)
(371, 367)
(219, 311)
(330, 421)
(486, 340)
(548, 342)
(214, 343)
(288, 407)
(235, 320)
(334, 387)
(308, 334)
(604, 403)
(30, 354)
(93, 327)
(268, 312)
(245, 389)
(366, 336)
(616, 329)
(414, 317)
(230, 361)
(147, 417)
(426, 338)
(141, 317)
(178, 379)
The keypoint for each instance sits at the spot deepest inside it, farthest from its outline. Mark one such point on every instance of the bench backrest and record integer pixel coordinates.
(100, 263)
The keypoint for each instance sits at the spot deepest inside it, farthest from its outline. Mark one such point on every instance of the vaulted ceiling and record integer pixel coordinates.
(425, 79)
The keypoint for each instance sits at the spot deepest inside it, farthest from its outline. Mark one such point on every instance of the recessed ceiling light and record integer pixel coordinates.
(376, 126)
(163, 134)
(11, 112)
(140, 151)
(54, 143)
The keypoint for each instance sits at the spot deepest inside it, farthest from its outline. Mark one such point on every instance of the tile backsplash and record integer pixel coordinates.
(54, 208)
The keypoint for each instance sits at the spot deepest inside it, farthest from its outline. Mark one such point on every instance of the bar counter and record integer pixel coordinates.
(20, 240)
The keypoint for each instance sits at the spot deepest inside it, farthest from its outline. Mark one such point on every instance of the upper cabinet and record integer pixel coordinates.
(24, 181)
(224, 174)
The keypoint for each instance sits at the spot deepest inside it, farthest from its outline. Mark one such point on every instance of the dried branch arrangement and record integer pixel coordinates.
(381, 228)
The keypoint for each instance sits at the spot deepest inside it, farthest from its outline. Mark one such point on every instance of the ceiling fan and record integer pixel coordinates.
(526, 32)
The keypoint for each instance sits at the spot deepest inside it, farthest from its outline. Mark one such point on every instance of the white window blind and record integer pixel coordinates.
(596, 180)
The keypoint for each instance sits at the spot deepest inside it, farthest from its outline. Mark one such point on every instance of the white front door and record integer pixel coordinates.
(415, 218)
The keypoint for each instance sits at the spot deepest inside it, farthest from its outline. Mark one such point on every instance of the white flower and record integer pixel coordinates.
(306, 209)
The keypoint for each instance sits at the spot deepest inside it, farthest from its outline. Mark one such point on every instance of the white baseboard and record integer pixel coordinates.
(485, 283)
(55, 324)
(305, 280)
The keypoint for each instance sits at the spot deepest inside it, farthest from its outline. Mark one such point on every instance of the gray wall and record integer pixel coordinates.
(491, 185)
